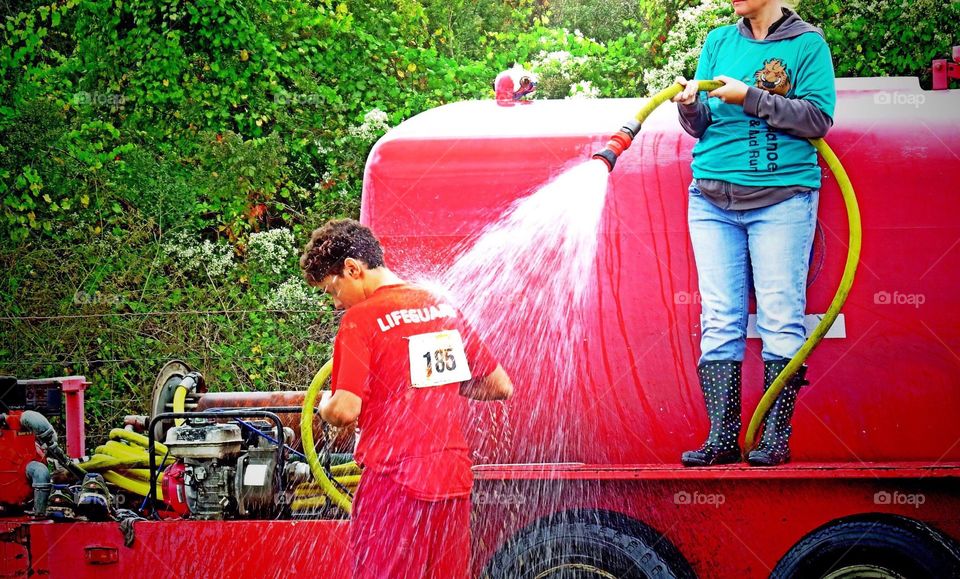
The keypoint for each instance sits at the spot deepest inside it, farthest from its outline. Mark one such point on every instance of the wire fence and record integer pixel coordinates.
(7, 318)
(107, 414)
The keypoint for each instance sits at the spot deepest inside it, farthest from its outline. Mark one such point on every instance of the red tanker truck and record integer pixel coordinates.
(581, 478)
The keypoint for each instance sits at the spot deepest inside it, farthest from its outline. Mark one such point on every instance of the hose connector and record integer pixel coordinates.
(618, 143)
(192, 382)
(33, 421)
(39, 476)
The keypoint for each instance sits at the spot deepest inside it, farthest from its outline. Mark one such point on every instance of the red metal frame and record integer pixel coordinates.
(944, 70)
(794, 471)
(17, 449)
(164, 549)
(744, 534)
(764, 513)
(73, 388)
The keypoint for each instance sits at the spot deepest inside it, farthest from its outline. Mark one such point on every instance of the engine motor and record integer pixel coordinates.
(224, 474)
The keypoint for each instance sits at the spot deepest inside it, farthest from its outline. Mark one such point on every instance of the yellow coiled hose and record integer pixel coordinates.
(849, 270)
(123, 461)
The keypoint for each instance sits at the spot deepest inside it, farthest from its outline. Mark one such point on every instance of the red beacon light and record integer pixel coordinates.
(512, 85)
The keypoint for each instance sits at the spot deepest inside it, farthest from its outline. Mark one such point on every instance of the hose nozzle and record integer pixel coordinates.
(618, 143)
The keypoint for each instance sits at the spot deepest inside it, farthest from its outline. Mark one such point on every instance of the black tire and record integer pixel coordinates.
(588, 544)
(876, 546)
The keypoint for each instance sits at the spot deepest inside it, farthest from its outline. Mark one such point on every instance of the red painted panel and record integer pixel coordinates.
(17, 449)
(14, 552)
(744, 528)
(164, 549)
(723, 527)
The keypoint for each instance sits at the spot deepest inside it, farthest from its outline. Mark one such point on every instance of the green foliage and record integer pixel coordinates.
(684, 41)
(886, 37)
(117, 315)
(597, 19)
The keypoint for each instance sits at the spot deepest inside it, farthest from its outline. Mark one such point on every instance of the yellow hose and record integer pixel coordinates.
(846, 282)
(179, 403)
(849, 270)
(138, 473)
(309, 503)
(306, 436)
(101, 462)
(310, 496)
(138, 439)
(123, 461)
(135, 486)
(345, 469)
(118, 449)
(313, 487)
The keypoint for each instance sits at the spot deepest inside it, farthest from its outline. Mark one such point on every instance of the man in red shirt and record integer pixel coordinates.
(403, 362)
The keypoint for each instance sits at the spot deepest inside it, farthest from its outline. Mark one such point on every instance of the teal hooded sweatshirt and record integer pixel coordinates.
(741, 148)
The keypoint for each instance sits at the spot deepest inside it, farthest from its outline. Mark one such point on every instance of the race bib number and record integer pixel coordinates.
(437, 358)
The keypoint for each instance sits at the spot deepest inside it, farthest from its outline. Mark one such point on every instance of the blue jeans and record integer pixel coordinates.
(773, 244)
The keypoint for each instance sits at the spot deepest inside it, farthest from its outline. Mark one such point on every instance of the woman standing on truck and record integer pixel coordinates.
(753, 208)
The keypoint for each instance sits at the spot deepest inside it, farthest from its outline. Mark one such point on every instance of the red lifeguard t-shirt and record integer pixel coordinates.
(413, 434)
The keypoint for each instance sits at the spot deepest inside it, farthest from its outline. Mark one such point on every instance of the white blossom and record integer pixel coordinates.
(297, 298)
(375, 123)
(215, 259)
(271, 249)
(685, 40)
(583, 90)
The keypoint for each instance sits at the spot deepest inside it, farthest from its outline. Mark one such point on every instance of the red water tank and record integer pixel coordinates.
(886, 380)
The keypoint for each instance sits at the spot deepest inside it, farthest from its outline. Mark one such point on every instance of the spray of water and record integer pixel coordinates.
(525, 279)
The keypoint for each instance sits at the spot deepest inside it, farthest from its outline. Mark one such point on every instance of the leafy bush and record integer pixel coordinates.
(597, 19)
(685, 40)
(886, 37)
(565, 70)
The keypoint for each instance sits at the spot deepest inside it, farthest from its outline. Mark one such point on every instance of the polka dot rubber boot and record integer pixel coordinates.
(720, 382)
(774, 446)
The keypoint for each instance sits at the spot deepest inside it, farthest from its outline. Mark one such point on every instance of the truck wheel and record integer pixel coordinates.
(588, 545)
(874, 547)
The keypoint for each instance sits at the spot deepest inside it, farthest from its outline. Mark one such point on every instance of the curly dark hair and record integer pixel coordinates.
(334, 242)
